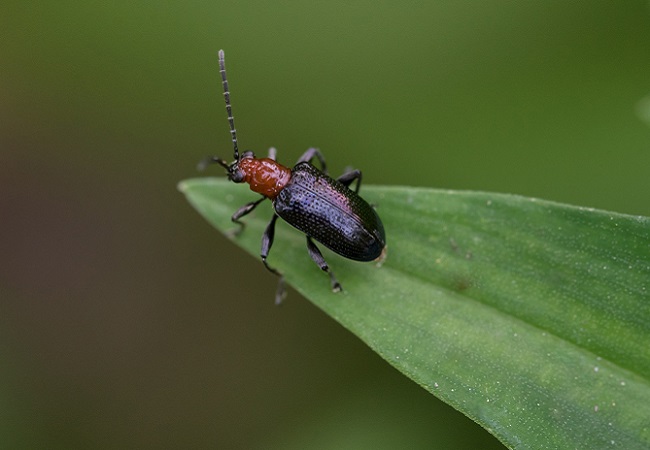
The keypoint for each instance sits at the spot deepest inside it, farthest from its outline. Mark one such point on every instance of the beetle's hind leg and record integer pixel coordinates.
(348, 178)
(312, 153)
(241, 212)
(317, 256)
(267, 242)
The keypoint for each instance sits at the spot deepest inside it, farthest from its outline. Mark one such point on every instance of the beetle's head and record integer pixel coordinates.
(235, 173)
(233, 170)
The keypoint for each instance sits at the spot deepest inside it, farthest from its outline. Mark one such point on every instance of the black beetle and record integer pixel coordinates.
(323, 208)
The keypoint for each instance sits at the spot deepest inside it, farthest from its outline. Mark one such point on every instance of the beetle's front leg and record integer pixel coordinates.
(310, 154)
(241, 212)
(267, 242)
(205, 162)
(317, 256)
(348, 178)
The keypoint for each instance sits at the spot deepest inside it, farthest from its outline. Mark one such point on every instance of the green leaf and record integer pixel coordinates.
(530, 317)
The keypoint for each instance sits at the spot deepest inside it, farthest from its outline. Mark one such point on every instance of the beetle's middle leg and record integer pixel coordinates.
(348, 178)
(267, 242)
(312, 153)
(241, 212)
(317, 256)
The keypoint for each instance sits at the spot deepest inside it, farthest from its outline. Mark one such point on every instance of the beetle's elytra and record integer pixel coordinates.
(323, 208)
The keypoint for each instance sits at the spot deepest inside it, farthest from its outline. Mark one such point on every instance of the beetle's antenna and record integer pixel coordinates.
(226, 96)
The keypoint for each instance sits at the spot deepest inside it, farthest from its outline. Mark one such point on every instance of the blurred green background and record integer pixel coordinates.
(126, 321)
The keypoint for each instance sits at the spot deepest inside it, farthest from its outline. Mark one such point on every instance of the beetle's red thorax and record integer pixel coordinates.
(264, 175)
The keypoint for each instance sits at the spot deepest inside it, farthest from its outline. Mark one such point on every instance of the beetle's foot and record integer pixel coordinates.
(235, 232)
(281, 292)
(336, 286)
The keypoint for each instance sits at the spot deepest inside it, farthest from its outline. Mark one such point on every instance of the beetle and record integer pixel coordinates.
(323, 208)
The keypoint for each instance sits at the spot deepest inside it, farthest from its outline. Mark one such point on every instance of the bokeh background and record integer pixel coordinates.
(126, 321)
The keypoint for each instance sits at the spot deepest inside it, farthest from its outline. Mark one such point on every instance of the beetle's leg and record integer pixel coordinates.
(272, 153)
(267, 242)
(205, 162)
(241, 212)
(348, 177)
(310, 154)
(317, 256)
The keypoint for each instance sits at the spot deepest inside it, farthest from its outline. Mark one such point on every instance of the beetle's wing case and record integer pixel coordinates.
(329, 212)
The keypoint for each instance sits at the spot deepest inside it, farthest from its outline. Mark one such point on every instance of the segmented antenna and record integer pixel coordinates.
(226, 96)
